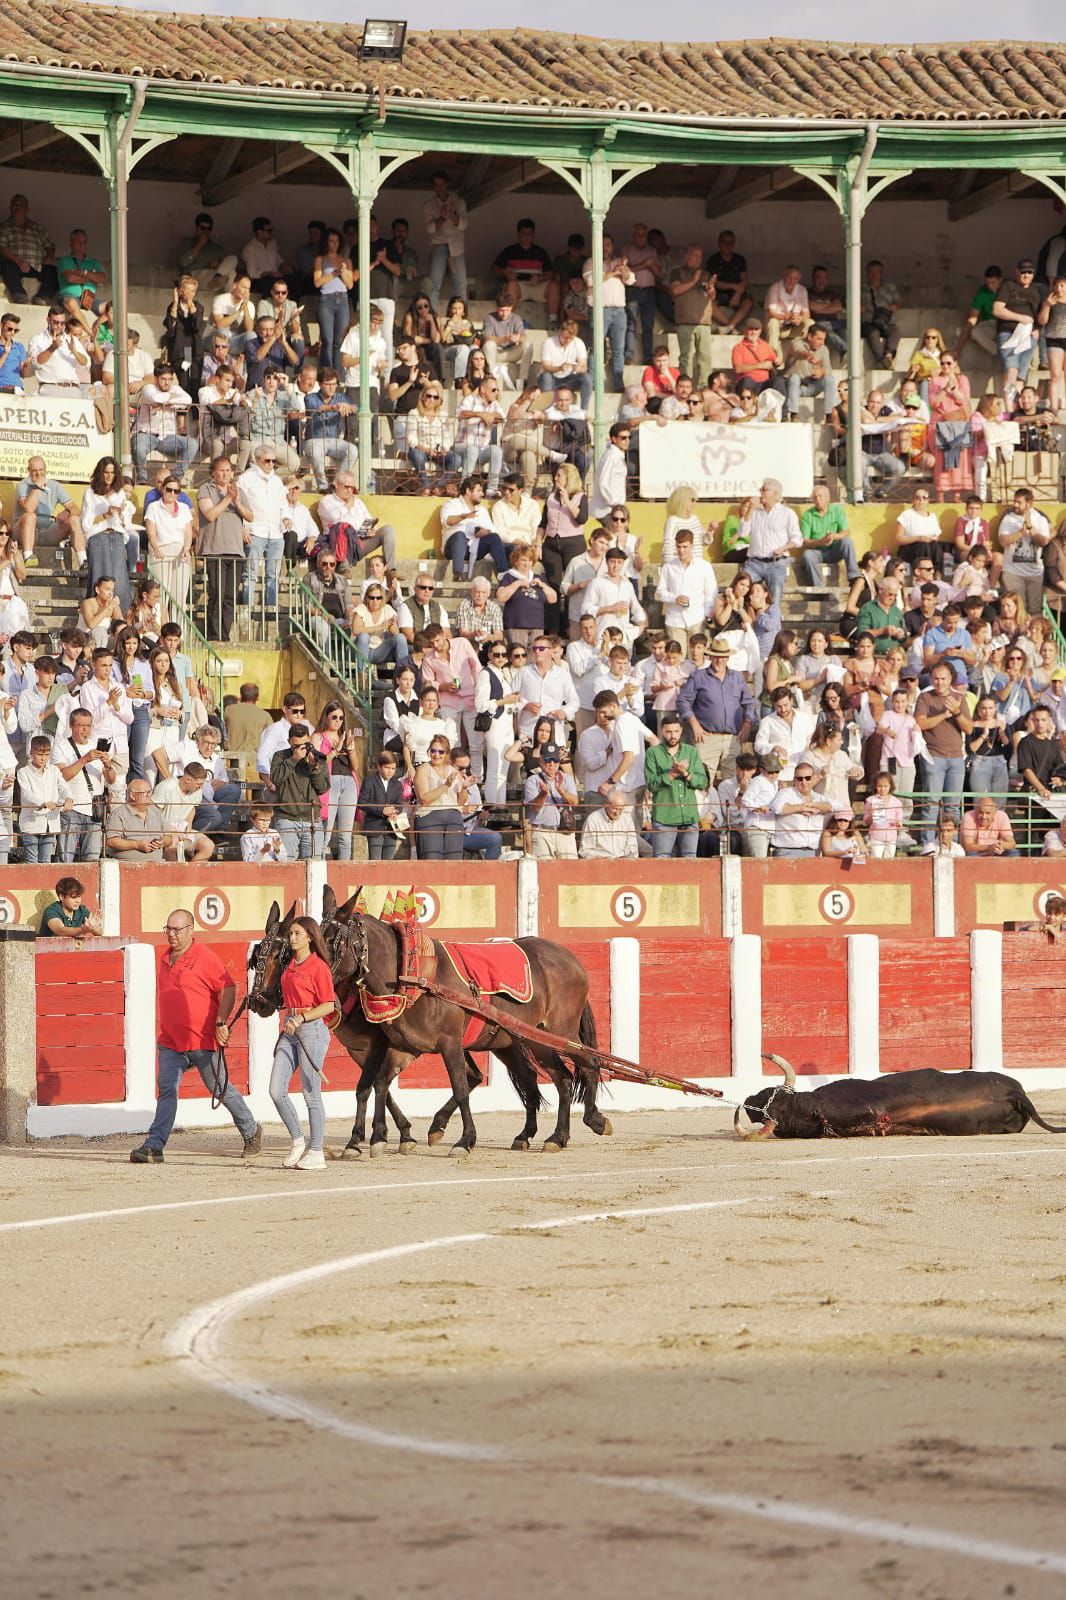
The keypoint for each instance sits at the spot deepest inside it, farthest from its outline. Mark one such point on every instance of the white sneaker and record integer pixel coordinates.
(295, 1155)
(313, 1161)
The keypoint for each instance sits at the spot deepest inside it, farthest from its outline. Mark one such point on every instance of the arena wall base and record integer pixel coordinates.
(18, 1033)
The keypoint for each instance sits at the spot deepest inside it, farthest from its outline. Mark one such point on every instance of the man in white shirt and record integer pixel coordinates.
(584, 659)
(788, 310)
(580, 573)
(262, 258)
(772, 530)
(58, 360)
(444, 214)
(108, 704)
(467, 531)
(609, 834)
(618, 674)
(613, 602)
(610, 754)
(617, 277)
(564, 359)
(610, 484)
(233, 313)
(345, 505)
(688, 589)
(88, 773)
(264, 494)
(1023, 533)
(178, 799)
(139, 365)
(477, 437)
(516, 515)
(545, 690)
(799, 815)
(163, 422)
(786, 732)
(756, 802)
(276, 737)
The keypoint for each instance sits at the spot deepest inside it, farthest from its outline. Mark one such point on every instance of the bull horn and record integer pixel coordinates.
(753, 1133)
(779, 1061)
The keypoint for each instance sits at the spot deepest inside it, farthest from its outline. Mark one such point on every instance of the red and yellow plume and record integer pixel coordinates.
(388, 910)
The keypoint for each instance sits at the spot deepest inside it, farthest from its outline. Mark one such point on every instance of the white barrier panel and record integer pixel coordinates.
(723, 462)
(864, 1005)
(63, 431)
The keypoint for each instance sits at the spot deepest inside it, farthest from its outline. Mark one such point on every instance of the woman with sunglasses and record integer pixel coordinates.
(420, 324)
(376, 629)
(426, 442)
(14, 613)
(335, 742)
(1010, 688)
(566, 511)
(617, 524)
(918, 531)
(170, 533)
(950, 407)
(495, 698)
(440, 791)
(333, 278)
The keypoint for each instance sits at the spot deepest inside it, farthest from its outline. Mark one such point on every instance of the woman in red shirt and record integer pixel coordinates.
(307, 995)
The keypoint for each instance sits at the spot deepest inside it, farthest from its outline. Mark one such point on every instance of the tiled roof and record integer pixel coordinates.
(524, 67)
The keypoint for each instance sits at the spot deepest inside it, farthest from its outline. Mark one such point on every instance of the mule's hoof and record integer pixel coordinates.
(407, 1147)
(520, 1144)
(351, 1152)
(607, 1129)
(551, 1148)
(435, 1135)
(379, 1149)
(459, 1150)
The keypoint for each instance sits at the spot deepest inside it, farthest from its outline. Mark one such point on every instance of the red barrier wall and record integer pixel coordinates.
(821, 896)
(805, 1002)
(471, 899)
(25, 891)
(603, 899)
(925, 1005)
(227, 901)
(990, 893)
(685, 1023)
(1034, 1002)
(81, 1053)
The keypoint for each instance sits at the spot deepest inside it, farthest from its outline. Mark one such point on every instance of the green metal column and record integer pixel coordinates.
(853, 311)
(116, 170)
(598, 189)
(365, 191)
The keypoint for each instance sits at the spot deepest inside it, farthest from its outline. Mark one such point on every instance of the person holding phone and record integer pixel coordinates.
(137, 830)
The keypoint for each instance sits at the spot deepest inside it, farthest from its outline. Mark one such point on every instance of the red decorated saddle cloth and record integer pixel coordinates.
(501, 967)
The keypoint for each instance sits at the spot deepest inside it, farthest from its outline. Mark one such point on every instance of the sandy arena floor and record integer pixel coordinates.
(793, 1369)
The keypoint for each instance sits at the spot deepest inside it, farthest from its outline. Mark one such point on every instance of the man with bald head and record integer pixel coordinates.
(195, 992)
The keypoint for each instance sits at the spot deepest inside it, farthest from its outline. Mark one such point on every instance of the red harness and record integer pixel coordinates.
(416, 955)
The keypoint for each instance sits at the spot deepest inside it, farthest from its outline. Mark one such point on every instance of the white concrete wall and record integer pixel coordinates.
(925, 252)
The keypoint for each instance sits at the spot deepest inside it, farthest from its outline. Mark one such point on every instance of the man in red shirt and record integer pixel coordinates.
(756, 364)
(194, 995)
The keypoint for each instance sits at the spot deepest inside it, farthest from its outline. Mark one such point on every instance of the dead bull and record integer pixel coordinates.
(945, 1103)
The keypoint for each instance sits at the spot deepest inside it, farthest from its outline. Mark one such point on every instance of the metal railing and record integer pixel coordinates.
(1055, 618)
(330, 643)
(208, 665)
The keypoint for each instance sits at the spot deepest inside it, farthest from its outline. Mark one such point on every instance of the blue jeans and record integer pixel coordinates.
(216, 816)
(640, 312)
(489, 547)
(663, 838)
(38, 849)
(813, 387)
(334, 314)
(176, 447)
(296, 837)
(814, 556)
(173, 1064)
(486, 841)
(81, 838)
(944, 777)
(392, 648)
(272, 551)
(579, 382)
(440, 263)
(988, 775)
(468, 457)
(614, 330)
(320, 452)
(290, 1057)
(439, 835)
(772, 573)
(889, 466)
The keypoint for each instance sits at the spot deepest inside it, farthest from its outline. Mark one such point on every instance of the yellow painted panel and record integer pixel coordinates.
(448, 905)
(1011, 902)
(217, 906)
(820, 905)
(608, 905)
(23, 907)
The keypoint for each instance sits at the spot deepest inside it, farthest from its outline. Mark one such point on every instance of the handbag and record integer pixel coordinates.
(483, 721)
(567, 820)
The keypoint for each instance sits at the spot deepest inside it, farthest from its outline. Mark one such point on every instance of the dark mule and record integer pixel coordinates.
(267, 962)
(372, 958)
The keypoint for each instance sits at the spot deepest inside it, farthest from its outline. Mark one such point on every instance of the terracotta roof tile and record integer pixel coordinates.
(744, 79)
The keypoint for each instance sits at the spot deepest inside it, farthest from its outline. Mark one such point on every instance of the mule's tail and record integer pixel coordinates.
(1025, 1104)
(587, 1079)
(525, 1083)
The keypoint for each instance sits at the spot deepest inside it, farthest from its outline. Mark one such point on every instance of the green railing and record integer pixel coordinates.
(207, 664)
(1057, 634)
(1029, 818)
(331, 644)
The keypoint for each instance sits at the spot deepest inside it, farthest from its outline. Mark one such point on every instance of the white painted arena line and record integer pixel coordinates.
(559, 1175)
(196, 1341)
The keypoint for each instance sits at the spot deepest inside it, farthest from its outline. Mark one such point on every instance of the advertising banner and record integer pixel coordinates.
(723, 462)
(63, 431)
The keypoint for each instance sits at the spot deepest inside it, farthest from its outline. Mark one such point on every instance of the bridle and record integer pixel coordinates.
(348, 939)
(258, 962)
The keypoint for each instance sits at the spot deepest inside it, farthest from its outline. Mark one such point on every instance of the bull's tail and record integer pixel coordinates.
(587, 1079)
(1024, 1103)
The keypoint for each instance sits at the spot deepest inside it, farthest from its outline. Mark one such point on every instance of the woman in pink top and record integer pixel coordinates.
(949, 402)
(451, 666)
(883, 817)
(667, 679)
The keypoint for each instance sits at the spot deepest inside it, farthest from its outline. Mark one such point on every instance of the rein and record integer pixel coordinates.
(219, 1064)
